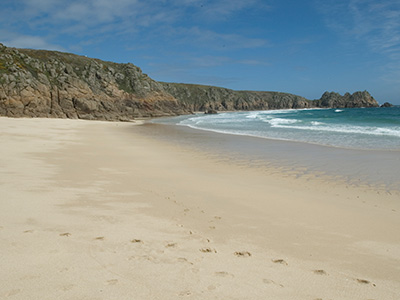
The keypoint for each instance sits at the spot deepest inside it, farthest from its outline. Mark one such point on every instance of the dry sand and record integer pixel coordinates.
(96, 210)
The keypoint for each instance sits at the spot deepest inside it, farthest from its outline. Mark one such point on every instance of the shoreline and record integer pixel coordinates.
(176, 120)
(377, 168)
(106, 210)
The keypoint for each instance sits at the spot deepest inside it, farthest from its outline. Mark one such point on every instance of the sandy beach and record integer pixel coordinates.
(101, 210)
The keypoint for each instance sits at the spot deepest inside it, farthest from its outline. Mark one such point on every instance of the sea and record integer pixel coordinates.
(358, 145)
(354, 128)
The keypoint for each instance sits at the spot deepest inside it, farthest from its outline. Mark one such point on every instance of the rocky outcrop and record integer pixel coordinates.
(387, 104)
(335, 100)
(39, 83)
(53, 84)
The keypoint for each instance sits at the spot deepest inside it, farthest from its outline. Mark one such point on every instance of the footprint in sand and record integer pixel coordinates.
(223, 274)
(269, 281)
(185, 293)
(364, 281)
(144, 258)
(137, 241)
(99, 238)
(280, 261)
(171, 245)
(242, 254)
(320, 272)
(184, 260)
(112, 281)
(65, 234)
(208, 250)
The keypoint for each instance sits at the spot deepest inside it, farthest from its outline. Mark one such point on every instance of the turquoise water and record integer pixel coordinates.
(355, 128)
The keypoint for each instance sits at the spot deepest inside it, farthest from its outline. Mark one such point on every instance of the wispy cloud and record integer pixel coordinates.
(16, 40)
(372, 23)
(254, 62)
(213, 39)
(222, 9)
(102, 18)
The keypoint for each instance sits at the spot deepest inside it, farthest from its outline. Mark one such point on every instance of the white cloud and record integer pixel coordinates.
(27, 41)
(174, 21)
(92, 14)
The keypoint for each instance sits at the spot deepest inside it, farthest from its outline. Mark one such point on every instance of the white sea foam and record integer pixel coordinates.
(324, 127)
(253, 115)
(276, 122)
(348, 130)
(338, 110)
(315, 123)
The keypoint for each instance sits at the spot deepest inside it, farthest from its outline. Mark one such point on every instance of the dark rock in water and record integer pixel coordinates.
(387, 104)
(211, 112)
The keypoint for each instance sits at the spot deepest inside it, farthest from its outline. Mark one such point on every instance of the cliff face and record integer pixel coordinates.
(40, 83)
(53, 84)
(203, 98)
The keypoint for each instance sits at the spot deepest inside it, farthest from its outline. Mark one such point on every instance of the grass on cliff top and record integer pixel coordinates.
(193, 87)
(80, 63)
(76, 61)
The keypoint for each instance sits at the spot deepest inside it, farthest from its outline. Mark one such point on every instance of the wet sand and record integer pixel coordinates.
(97, 210)
(378, 168)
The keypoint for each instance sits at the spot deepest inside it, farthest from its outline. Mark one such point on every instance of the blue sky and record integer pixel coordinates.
(302, 47)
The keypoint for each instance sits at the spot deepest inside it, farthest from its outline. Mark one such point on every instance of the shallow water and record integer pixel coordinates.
(356, 128)
(355, 166)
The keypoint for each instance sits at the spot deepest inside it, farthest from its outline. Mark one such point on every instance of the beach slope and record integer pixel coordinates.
(98, 210)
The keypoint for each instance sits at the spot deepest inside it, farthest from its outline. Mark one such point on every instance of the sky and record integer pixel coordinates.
(304, 47)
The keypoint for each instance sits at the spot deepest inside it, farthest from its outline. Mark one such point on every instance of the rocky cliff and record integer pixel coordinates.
(203, 98)
(39, 83)
(53, 84)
